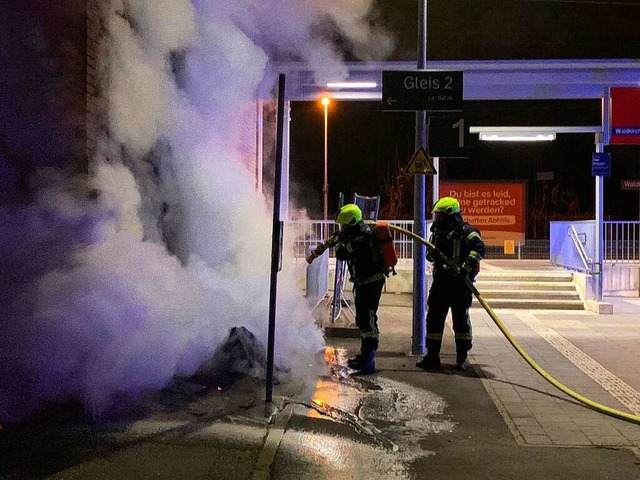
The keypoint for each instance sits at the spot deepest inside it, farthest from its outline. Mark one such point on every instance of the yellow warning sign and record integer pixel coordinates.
(509, 247)
(421, 163)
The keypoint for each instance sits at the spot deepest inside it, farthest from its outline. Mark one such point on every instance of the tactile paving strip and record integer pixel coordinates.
(619, 389)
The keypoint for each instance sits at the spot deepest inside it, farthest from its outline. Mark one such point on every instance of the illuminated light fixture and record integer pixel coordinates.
(352, 85)
(523, 136)
(355, 95)
(529, 133)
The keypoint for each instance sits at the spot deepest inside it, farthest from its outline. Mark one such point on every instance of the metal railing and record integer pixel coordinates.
(308, 234)
(622, 242)
(528, 250)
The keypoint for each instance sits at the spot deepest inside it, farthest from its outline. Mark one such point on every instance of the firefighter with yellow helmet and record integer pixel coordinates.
(463, 244)
(355, 243)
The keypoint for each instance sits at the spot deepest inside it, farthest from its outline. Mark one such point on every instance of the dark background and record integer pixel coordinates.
(366, 145)
(43, 69)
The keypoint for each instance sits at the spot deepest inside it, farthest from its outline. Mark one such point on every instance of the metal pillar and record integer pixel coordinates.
(599, 250)
(602, 139)
(325, 185)
(286, 141)
(419, 224)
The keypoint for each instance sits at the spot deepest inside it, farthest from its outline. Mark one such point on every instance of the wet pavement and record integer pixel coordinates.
(509, 421)
(498, 420)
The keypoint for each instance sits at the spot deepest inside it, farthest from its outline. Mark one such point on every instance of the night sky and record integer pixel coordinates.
(366, 144)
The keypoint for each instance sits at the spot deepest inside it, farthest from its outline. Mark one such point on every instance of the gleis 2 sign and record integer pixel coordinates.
(430, 90)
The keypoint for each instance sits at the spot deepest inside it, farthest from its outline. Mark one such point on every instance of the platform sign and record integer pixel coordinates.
(625, 116)
(448, 136)
(431, 90)
(601, 164)
(630, 184)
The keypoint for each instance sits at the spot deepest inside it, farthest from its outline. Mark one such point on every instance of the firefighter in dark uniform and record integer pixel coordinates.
(355, 243)
(461, 243)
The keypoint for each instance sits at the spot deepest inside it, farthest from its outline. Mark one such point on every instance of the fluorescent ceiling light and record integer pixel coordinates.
(512, 136)
(352, 85)
(353, 95)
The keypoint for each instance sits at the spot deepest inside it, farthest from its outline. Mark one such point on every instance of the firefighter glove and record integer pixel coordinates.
(464, 271)
(311, 257)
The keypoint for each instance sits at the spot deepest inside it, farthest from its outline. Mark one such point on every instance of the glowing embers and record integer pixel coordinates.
(325, 389)
(330, 355)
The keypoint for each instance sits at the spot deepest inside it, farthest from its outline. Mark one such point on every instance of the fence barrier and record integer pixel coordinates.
(314, 232)
(621, 240)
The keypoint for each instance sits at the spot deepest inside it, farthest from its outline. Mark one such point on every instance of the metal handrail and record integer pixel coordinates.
(586, 261)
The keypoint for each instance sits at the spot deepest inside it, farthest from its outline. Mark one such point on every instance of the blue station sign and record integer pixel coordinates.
(601, 164)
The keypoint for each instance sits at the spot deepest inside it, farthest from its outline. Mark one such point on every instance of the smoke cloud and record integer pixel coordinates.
(117, 282)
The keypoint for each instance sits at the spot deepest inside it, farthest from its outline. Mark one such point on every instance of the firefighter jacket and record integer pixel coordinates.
(357, 245)
(462, 244)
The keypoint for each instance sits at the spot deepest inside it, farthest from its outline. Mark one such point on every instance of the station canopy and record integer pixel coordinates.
(483, 80)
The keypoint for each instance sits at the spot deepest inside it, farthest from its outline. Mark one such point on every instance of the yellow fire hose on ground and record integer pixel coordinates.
(590, 403)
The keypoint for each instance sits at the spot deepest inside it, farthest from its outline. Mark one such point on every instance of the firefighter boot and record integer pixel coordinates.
(462, 347)
(367, 365)
(365, 360)
(461, 362)
(432, 359)
(356, 362)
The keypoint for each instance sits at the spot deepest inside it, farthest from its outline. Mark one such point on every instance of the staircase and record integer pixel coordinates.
(528, 289)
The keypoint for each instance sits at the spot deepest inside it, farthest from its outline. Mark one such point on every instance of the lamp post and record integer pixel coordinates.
(325, 188)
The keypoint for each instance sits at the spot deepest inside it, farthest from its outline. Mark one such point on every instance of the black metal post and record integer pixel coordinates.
(275, 237)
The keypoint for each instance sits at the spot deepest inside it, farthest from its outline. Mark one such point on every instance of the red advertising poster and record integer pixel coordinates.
(497, 209)
(625, 116)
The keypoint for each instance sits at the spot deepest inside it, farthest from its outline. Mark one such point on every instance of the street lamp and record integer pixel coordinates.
(325, 189)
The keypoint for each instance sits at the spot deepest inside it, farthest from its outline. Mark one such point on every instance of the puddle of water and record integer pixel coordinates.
(398, 415)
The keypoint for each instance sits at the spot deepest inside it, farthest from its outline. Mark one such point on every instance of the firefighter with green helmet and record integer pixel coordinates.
(463, 244)
(355, 243)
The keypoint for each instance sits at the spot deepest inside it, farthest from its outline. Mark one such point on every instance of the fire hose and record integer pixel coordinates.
(560, 386)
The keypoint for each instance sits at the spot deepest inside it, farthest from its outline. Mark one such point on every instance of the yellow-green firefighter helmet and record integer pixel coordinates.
(447, 205)
(350, 214)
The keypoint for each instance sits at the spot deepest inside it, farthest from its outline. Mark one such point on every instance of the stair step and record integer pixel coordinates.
(521, 285)
(533, 304)
(530, 294)
(561, 277)
(529, 290)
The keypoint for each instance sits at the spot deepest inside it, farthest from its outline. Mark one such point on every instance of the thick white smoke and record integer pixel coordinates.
(146, 282)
